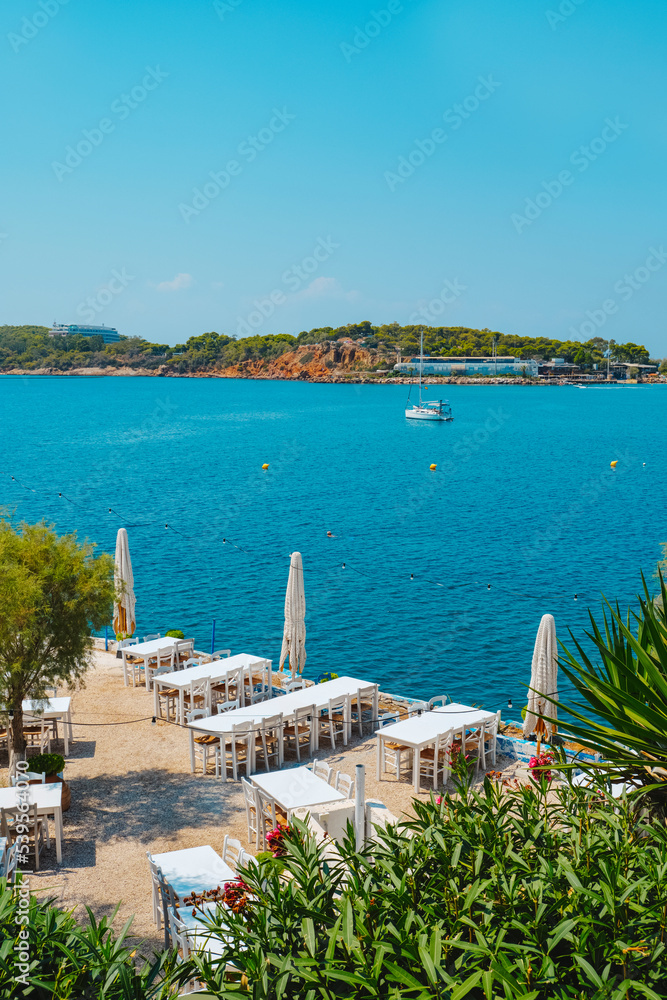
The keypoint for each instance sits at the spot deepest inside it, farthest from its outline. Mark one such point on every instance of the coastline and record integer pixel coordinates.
(335, 378)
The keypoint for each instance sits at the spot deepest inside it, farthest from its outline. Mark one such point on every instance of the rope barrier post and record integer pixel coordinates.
(360, 805)
(213, 637)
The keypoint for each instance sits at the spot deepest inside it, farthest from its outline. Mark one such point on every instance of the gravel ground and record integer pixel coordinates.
(132, 792)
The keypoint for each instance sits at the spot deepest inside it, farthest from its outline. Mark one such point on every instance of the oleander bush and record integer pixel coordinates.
(66, 960)
(488, 895)
(621, 709)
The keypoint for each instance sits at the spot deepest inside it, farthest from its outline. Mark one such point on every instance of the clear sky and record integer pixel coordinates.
(168, 167)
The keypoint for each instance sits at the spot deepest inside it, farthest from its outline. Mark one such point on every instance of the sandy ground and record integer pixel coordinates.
(132, 792)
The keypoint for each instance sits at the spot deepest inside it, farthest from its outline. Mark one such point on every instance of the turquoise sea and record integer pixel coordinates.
(433, 582)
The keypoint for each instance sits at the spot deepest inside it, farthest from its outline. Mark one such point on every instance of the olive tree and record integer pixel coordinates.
(52, 591)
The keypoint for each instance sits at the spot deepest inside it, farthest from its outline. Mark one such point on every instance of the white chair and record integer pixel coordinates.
(302, 730)
(164, 663)
(226, 706)
(232, 850)
(269, 741)
(220, 654)
(169, 698)
(30, 776)
(433, 758)
(37, 732)
(298, 684)
(392, 753)
(476, 743)
(269, 815)
(251, 811)
(364, 704)
(231, 687)
(345, 784)
(417, 708)
(11, 863)
(193, 661)
(321, 769)
(180, 942)
(184, 649)
(256, 683)
(149, 638)
(332, 721)
(155, 883)
(133, 666)
(198, 694)
(207, 744)
(439, 699)
(38, 831)
(239, 745)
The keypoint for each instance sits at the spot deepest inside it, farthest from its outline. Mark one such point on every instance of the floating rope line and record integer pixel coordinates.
(373, 579)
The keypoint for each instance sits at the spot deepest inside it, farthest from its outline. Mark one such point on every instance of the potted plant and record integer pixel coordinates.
(175, 633)
(52, 765)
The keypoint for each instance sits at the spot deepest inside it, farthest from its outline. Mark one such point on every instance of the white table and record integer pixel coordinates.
(295, 787)
(420, 731)
(216, 671)
(53, 708)
(49, 803)
(145, 650)
(318, 695)
(194, 869)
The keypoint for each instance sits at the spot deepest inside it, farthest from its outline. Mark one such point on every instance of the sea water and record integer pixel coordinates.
(428, 582)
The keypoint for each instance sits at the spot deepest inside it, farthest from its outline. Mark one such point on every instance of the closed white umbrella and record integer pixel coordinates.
(294, 635)
(543, 680)
(123, 619)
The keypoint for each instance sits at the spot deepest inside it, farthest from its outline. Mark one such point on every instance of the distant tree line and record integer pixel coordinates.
(30, 347)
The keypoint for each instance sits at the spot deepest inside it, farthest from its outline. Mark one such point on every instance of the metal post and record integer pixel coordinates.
(360, 805)
(213, 637)
(106, 637)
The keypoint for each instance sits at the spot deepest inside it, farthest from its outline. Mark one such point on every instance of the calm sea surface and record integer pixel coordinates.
(523, 500)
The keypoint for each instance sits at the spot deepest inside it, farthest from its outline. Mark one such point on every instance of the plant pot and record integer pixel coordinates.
(67, 794)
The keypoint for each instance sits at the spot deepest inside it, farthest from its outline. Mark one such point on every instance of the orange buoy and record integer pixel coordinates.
(266, 465)
(433, 467)
(614, 464)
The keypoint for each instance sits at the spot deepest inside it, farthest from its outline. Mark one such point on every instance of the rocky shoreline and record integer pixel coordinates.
(331, 378)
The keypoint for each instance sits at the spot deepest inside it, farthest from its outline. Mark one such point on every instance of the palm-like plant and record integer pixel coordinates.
(622, 714)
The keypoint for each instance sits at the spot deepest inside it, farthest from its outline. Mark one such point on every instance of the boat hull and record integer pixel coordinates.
(416, 414)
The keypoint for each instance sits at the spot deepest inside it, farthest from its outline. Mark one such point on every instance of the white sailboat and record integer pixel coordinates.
(427, 409)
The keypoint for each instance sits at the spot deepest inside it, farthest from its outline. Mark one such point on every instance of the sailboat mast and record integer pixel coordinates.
(421, 364)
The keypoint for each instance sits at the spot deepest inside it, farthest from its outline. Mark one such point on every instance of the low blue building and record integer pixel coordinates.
(109, 334)
(508, 365)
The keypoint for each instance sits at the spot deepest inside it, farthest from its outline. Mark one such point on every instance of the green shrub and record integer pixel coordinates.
(70, 961)
(175, 633)
(47, 763)
(486, 896)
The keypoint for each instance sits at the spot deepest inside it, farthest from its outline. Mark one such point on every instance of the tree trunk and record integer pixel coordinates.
(16, 739)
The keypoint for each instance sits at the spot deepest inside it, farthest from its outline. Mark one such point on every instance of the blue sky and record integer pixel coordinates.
(305, 113)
